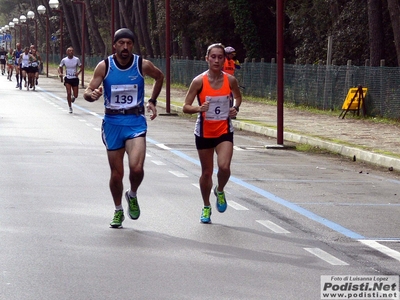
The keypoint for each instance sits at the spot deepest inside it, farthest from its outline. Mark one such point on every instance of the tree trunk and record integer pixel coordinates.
(144, 28)
(375, 32)
(394, 9)
(139, 31)
(124, 11)
(186, 45)
(153, 27)
(245, 26)
(70, 22)
(99, 46)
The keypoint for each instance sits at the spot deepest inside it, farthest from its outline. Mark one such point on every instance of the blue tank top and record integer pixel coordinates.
(17, 55)
(124, 89)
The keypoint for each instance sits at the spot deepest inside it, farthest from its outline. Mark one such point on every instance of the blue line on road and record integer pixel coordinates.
(332, 225)
(350, 204)
(75, 105)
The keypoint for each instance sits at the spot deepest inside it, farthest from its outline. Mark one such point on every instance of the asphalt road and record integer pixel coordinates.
(292, 216)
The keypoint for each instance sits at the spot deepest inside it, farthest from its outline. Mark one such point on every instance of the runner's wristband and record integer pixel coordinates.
(152, 101)
(237, 108)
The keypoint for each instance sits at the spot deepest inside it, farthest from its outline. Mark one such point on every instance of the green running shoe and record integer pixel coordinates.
(133, 206)
(118, 219)
(221, 201)
(205, 215)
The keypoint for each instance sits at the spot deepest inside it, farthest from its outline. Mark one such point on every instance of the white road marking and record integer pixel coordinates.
(158, 162)
(272, 226)
(326, 257)
(237, 148)
(178, 174)
(381, 248)
(162, 146)
(236, 205)
(231, 203)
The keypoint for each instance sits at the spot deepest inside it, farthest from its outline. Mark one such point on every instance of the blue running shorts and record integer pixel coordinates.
(115, 136)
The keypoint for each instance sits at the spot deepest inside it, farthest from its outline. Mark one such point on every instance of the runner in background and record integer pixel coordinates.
(10, 63)
(33, 71)
(230, 64)
(3, 53)
(25, 63)
(34, 51)
(18, 73)
(71, 80)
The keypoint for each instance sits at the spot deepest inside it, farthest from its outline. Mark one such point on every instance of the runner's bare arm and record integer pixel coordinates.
(149, 69)
(93, 92)
(194, 89)
(237, 95)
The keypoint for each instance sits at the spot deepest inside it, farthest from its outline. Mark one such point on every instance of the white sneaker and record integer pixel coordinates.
(70, 110)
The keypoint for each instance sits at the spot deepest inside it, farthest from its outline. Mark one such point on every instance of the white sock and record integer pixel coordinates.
(119, 207)
(132, 194)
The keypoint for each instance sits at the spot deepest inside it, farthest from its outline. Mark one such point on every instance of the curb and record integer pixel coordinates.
(347, 151)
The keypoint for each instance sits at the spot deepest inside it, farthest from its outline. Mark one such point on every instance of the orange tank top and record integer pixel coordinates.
(215, 122)
(229, 66)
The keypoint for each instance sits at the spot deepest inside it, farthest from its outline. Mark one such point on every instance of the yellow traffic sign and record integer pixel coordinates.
(352, 102)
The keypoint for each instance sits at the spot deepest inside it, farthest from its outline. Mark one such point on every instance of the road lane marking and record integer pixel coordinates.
(294, 207)
(158, 162)
(236, 205)
(334, 226)
(95, 114)
(178, 174)
(162, 146)
(312, 216)
(381, 248)
(330, 259)
(231, 203)
(272, 226)
(238, 148)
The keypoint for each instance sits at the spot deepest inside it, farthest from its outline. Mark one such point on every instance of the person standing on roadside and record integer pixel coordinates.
(71, 79)
(18, 74)
(213, 130)
(124, 125)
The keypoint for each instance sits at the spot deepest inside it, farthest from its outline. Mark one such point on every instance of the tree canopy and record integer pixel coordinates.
(360, 29)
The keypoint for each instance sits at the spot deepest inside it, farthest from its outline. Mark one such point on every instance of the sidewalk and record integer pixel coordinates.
(368, 141)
